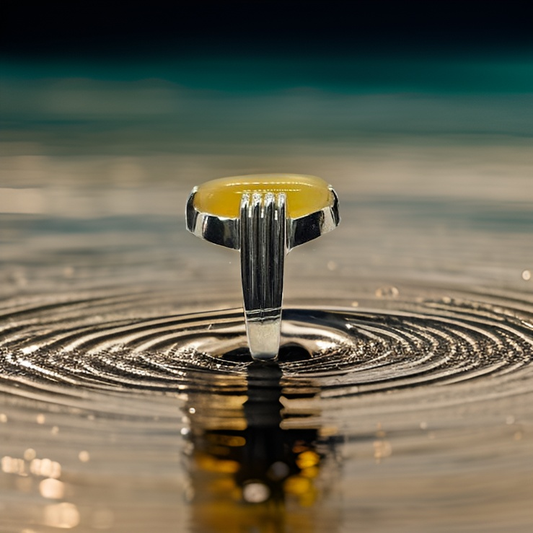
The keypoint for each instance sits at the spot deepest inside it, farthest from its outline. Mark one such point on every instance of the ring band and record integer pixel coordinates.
(263, 216)
(263, 248)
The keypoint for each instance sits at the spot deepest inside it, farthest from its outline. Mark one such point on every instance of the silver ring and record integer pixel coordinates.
(263, 216)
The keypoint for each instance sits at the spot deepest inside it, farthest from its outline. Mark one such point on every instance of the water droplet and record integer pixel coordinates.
(84, 456)
(255, 492)
(30, 454)
(387, 292)
(52, 488)
(382, 449)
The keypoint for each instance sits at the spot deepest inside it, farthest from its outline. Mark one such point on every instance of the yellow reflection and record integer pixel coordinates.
(249, 471)
(227, 440)
(297, 485)
(212, 464)
(307, 459)
(310, 472)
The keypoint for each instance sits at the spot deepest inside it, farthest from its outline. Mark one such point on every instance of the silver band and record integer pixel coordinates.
(263, 226)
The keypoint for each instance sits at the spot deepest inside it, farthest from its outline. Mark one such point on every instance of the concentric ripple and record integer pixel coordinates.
(139, 341)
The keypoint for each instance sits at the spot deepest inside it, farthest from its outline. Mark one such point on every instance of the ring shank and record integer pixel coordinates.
(263, 236)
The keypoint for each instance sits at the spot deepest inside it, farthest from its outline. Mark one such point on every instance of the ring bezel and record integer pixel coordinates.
(225, 231)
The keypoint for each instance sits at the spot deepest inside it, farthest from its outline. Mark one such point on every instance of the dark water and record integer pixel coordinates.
(402, 400)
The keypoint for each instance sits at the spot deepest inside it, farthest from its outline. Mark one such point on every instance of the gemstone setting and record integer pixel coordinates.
(304, 194)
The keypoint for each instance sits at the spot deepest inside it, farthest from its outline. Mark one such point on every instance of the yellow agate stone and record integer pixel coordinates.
(304, 194)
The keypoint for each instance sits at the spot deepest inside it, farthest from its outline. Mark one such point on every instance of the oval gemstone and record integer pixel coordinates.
(304, 194)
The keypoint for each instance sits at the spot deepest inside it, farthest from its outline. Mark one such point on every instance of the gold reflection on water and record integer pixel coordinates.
(13, 465)
(46, 468)
(248, 472)
(382, 449)
(84, 456)
(52, 488)
(61, 515)
(23, 466)
(30, 454)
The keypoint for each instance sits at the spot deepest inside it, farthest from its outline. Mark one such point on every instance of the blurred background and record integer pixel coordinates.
(415, 111)
(420, 114)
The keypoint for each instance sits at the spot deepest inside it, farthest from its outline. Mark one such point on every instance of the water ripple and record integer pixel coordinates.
(125, 341)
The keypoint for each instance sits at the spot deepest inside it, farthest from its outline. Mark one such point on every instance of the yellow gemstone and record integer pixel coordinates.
(304, 194)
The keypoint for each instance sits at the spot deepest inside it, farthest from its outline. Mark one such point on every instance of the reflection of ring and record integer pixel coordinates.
(264, 216)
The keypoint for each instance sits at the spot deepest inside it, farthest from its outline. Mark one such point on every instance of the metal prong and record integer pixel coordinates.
(263, 227)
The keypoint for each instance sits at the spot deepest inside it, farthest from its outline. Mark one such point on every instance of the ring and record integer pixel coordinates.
(264, 216)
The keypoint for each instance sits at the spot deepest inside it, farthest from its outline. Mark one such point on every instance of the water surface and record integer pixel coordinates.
(402, 398)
